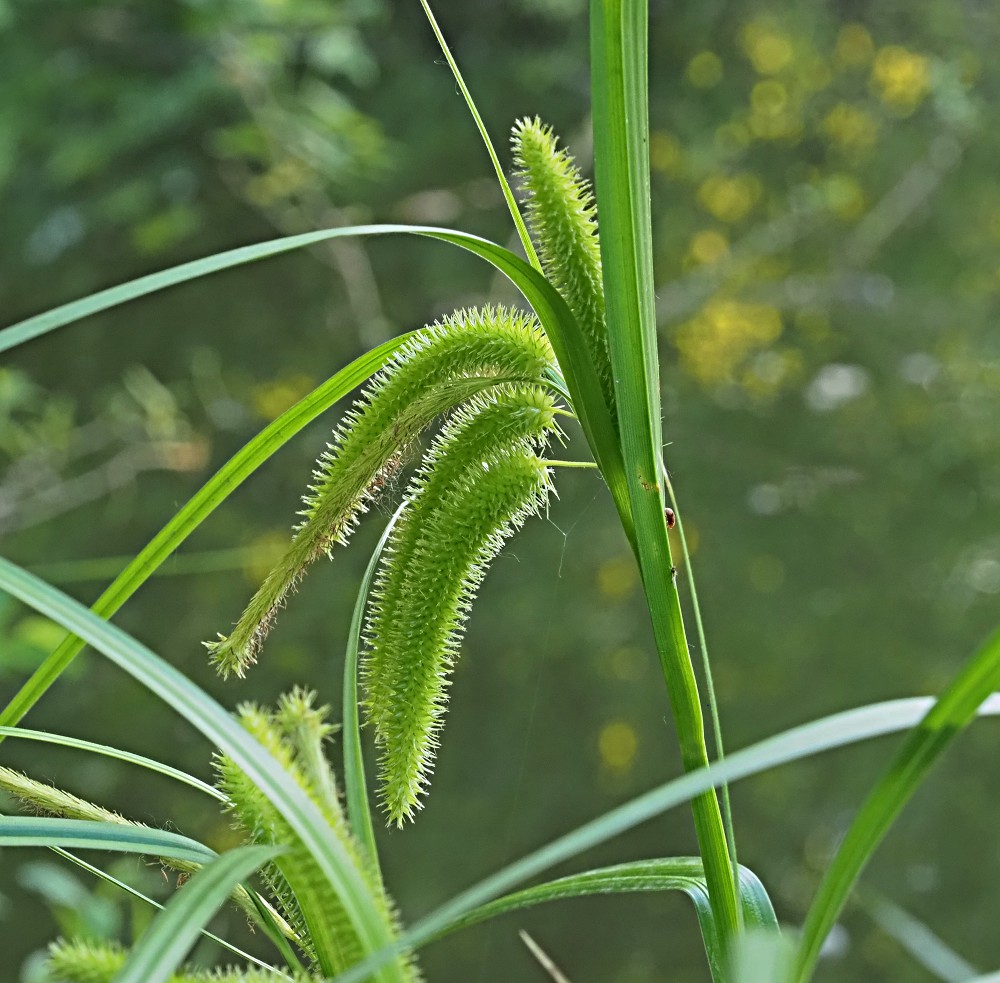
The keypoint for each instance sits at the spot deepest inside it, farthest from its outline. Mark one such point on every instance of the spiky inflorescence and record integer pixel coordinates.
(86, 961)
(48, 800)
(480, 481)
(563, 217)
(294, 735)
(443, 365)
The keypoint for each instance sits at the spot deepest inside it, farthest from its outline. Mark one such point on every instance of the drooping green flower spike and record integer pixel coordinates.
(562, 216)
(443, 365)
(480, 481)
(294, 734)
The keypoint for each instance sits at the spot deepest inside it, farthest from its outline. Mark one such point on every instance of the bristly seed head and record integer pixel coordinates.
(480, 481)
(562, 216)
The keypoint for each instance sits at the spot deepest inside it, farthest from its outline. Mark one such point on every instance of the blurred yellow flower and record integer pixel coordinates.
(618, 744)
(704, 70)
(768, 49)
(845, 196)
(849, 127)
(901, 78)
(276, 184)
(772, 116)
(769, 98)
(617, 577)
(271, 399)
(718, 340)
(707, 247)
(729, 198)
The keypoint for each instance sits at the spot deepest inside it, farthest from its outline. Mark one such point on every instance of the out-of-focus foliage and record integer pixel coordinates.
(91, 90)
(827, 215)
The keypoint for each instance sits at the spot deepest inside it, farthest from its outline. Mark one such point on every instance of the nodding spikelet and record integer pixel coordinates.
(89, 961)
(563, 217)
(441, 366)
(480, 481)
(294, 734)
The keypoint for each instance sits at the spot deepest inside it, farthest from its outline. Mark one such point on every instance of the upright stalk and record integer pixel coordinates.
(621, 151)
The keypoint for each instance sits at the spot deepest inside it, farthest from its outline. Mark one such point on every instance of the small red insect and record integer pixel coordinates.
(670, 517)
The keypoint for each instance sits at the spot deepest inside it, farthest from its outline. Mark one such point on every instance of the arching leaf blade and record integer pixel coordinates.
(825, 734)
(167, 940)
(359, 812)
(112, 752)
(89, 834)
(564, 333)
(205, 501)
(954, 710)
(685, 874)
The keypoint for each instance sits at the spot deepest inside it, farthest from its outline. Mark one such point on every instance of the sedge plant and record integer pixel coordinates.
(494, 388)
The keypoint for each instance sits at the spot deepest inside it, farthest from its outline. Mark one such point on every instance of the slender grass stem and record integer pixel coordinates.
(713, 704)
(571, 464)
(508, 194)
(619, 89)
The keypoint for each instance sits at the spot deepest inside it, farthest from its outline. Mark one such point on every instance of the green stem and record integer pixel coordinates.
(619, 37)
(570, 464)
(515, 212)
(713, 704)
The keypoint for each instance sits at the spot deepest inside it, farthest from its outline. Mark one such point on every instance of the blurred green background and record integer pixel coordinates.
(827, 229)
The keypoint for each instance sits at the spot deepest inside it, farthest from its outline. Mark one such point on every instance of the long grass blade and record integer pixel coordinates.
(618, 39)
(112, 752)
(838, 730)
(685, 874)
(359, 813)
(706, 667)
(225, 733)
(950, 715)
(93, 835)
(167, 940)
(935, 955)
(102, 300)
(211, 495)
(508, 194)
(564, 333)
